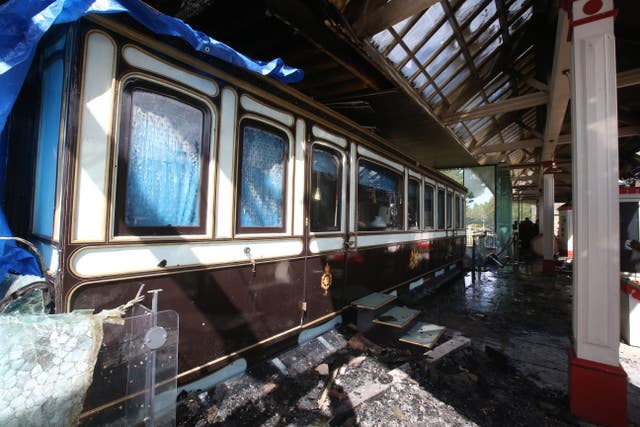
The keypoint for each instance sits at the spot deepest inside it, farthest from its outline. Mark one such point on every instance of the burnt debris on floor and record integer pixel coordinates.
(501, 361)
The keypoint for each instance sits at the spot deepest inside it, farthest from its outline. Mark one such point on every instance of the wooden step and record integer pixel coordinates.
(373, 301)
(423, 334)
(397, 317)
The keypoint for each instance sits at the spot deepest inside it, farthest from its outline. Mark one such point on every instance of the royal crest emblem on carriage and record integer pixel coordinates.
(414, 258)
(327, 278)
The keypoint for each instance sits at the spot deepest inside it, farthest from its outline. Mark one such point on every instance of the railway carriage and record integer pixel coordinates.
(259, 212)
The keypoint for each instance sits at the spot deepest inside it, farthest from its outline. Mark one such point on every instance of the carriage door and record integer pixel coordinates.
(326, 226)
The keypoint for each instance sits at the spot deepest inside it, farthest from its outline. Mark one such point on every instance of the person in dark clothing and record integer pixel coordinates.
(526, 231)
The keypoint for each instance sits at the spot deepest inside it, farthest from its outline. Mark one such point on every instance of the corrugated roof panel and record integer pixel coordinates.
(431, 46)
(466, 9)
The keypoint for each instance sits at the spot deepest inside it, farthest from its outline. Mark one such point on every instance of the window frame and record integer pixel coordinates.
(159, 87)
(449, 209)
(356, 191)
(433, 205)
(269, 126)
(327, 146)
(437, 208)
(417, 181)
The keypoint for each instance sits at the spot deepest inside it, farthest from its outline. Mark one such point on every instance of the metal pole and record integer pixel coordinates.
(151, 367)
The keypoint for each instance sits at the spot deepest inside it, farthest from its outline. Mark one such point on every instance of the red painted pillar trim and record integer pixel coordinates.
(598, 391)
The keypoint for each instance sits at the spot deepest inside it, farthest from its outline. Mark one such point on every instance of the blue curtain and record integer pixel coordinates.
(163, 175)
(262, 171)
(324, 162)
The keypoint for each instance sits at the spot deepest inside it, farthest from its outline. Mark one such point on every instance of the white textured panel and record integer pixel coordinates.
(143, 60)
(298, 202)
(90, 213)
(365, 240)
(318, 132)
(104, 261)
(254, 106)
(595, 194)
(226, 149)
(323, 244)
(353, 173)
(385, 161)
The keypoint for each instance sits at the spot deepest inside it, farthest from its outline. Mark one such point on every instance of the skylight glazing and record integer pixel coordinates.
(449, 54)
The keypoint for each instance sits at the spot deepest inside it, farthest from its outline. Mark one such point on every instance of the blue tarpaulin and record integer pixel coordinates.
(24, 22)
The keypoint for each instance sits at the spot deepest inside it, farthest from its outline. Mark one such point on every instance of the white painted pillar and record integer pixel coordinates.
(596, 271)
(548, 239)
(540, 215)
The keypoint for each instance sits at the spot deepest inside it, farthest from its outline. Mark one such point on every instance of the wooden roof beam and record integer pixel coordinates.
(628, 78)
(559, 88)
(373, 21)
(511, 104)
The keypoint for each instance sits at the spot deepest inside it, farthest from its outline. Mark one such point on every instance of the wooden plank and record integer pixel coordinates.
(397, 317)
(423, 334)
(388, 14)
(444, 349)
(373, 301)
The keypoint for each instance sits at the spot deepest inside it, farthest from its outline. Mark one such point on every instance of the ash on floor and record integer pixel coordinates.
(514, 372)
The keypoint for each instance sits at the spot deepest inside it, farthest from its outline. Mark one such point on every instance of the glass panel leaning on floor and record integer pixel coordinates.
(380, 204)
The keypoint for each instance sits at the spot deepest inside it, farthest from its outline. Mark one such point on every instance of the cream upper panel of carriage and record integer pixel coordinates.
(165, 143)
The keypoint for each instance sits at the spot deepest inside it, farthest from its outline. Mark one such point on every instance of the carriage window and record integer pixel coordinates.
(440, 208)
(162, 157)
(428, 206)
(413, 201)
(461, 212)
(457, 207)
(449, 209)
(326, 182)
(380, 205)
(48, 136)
(262, 176)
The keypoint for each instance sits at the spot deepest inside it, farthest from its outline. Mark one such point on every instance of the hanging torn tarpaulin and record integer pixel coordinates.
(24, 23)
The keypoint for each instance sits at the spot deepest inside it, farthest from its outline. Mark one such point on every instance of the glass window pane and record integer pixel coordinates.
(424, 25)
(164, 162)
(488, 51)
(466, 9)
(419, 81)
(413, 208)
(449, 52)
(486, 35)
(382, 40)
(449, 209)
(440, 208)
(483, 17)
(456, 81)
(409, 68)
(397, 55)
(448, 72)
(326, 183)
(262, 177)
(380, 205)
(48, 140)
(433, 44)
(521, 20)
(428, 206)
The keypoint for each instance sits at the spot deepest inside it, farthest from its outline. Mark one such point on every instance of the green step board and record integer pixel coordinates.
(373, 301)
(423, 334)
(397, 317)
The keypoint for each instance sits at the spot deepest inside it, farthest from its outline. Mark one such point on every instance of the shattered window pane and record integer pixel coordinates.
(467, 8)
(456, 81)
(419, 81)
(423, 26)
(397, 55)
(400, 26)
(488, 51)
(449, 52)
(484, 37)
(448, 72)
(515, 8)
(382, 40)
(483, 17)
(409, 69)
(433, 44)
(521, 20)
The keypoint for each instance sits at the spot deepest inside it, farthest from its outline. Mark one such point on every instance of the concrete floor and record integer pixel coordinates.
(514, 372)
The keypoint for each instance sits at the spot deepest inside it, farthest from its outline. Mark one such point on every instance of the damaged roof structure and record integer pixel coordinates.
(455, 83)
